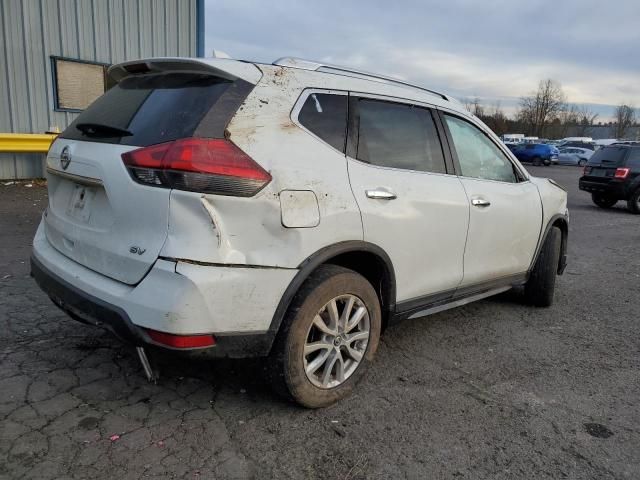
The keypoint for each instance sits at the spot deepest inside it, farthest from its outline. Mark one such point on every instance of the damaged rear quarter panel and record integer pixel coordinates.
(249, 231)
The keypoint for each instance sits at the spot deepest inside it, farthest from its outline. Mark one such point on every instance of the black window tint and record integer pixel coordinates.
(326, 116)
(609, 156)
(153, 108)
(398, 136)
(633, 160)
(478, 156)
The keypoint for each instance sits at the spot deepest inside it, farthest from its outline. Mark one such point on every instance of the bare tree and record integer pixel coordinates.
(496, 119)
(567, 118)
(625, 118)
(541, 107)
(586, 118)
(474, 106)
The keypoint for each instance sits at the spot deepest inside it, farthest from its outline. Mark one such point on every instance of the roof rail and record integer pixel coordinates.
(350, 72)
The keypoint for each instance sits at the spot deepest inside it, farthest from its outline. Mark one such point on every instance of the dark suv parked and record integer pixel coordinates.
(536, 153)
(612, 174)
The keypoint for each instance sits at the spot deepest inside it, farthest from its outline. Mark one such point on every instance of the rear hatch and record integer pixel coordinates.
(98, 215)
(602, 165)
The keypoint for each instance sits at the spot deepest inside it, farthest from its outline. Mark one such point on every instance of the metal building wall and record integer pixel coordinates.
(108, 31)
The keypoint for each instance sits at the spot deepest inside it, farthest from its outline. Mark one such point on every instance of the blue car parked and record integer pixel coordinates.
(536, 153)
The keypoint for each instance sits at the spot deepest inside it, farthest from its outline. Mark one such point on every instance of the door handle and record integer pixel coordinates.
(480, 202)
(380, 194)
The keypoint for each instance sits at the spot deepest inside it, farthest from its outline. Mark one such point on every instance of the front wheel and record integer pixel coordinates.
(603, 201)
(546, 162)
(328, 338)
(541, 284)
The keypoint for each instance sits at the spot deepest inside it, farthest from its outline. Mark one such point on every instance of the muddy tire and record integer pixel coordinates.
(603, 201)
(540, 287)
(633, 203)
(328, 338)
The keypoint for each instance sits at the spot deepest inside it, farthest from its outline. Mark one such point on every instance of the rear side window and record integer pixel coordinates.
(609, 156)
(149, 109)
(399, 136)
(325, 115)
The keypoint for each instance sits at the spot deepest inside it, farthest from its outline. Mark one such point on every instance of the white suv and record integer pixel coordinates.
(290, 210)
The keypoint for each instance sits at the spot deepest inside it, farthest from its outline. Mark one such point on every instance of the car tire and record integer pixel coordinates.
(546, 162)
(536, 161)
(633, 203)
(582, 162)
(540, 286)
(329, 288)
(603, 201)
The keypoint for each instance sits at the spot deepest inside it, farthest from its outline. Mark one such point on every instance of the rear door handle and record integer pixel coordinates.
(380, 194)
(480, 202)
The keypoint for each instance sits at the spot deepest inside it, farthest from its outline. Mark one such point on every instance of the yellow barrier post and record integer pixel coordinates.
(26, 142)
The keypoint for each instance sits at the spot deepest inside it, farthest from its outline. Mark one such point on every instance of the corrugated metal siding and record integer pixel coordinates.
(109, 31)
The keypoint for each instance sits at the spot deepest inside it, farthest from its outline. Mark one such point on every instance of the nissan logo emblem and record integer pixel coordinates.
(65, 158)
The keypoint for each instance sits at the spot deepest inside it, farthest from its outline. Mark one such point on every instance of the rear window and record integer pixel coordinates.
(609, 156)
(150, 109)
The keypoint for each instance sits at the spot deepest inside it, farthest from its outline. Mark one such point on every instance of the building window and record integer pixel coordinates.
(76, 83)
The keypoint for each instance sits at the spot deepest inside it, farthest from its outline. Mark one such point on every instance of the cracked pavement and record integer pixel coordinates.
(494, 389)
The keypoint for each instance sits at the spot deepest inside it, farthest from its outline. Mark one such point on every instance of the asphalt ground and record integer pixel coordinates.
(494, 389)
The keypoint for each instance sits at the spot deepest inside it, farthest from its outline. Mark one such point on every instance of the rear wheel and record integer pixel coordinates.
(603, 201)
(633, 204)
(540, 287)
(582, 162)
(546, 162)
(536, 161)
(328, 338)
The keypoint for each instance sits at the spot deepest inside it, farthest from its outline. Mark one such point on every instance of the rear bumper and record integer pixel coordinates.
(611, 188)
(236, 305)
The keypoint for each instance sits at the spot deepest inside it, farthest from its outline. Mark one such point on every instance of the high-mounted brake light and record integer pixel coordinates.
(622, 172)
(198, 165)
(181, 341)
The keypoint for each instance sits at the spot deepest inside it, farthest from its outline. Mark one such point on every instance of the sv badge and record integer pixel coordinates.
(137, 250)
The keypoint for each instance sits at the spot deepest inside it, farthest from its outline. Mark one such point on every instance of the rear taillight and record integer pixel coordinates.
(198, 165)
(622, 172)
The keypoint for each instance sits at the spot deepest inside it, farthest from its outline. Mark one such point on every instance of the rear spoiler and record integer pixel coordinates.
(220, 67)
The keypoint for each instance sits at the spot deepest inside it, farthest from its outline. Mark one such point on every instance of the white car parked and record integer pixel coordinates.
(290, 210)
(574, 156)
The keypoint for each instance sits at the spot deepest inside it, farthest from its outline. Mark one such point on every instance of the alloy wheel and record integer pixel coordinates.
(336, 341)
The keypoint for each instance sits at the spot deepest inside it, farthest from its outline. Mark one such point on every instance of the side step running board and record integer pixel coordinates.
(459, 303)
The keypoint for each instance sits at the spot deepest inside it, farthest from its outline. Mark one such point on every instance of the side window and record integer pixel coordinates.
(633, 159)
(399, 136)
(478, 156)
(326, 116)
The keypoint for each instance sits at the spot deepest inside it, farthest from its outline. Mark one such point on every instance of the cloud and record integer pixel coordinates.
(494, 49)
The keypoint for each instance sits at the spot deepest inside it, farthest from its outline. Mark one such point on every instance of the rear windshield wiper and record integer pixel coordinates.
(100, 130)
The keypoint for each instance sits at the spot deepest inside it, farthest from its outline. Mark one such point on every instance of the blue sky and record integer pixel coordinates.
(493, 49)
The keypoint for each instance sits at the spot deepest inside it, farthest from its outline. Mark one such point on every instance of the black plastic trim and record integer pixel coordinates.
(562, 264)
(407, 308)
(84, 307)
(324, 256)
